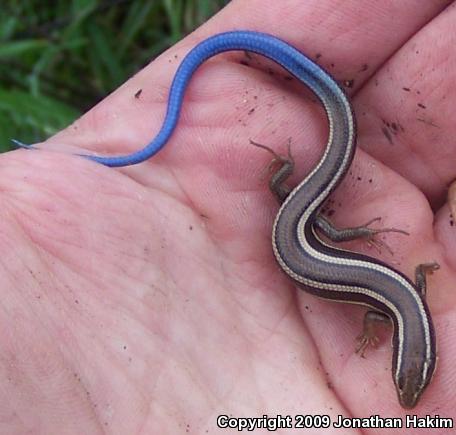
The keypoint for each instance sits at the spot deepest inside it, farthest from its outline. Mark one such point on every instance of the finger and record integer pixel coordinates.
(406, 117)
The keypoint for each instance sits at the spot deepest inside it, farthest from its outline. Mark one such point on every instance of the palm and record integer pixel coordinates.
(151, 292)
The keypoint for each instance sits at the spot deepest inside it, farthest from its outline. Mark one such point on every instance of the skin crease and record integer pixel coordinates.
(147, 300)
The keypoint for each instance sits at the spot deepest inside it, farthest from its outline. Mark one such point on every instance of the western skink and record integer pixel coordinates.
(315, 266)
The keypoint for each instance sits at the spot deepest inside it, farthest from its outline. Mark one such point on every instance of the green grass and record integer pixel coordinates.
(58, 59)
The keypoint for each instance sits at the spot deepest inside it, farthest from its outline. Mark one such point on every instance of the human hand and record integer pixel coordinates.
(146, 299)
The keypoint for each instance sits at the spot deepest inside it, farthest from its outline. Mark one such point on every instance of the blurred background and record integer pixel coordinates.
(59, 58)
